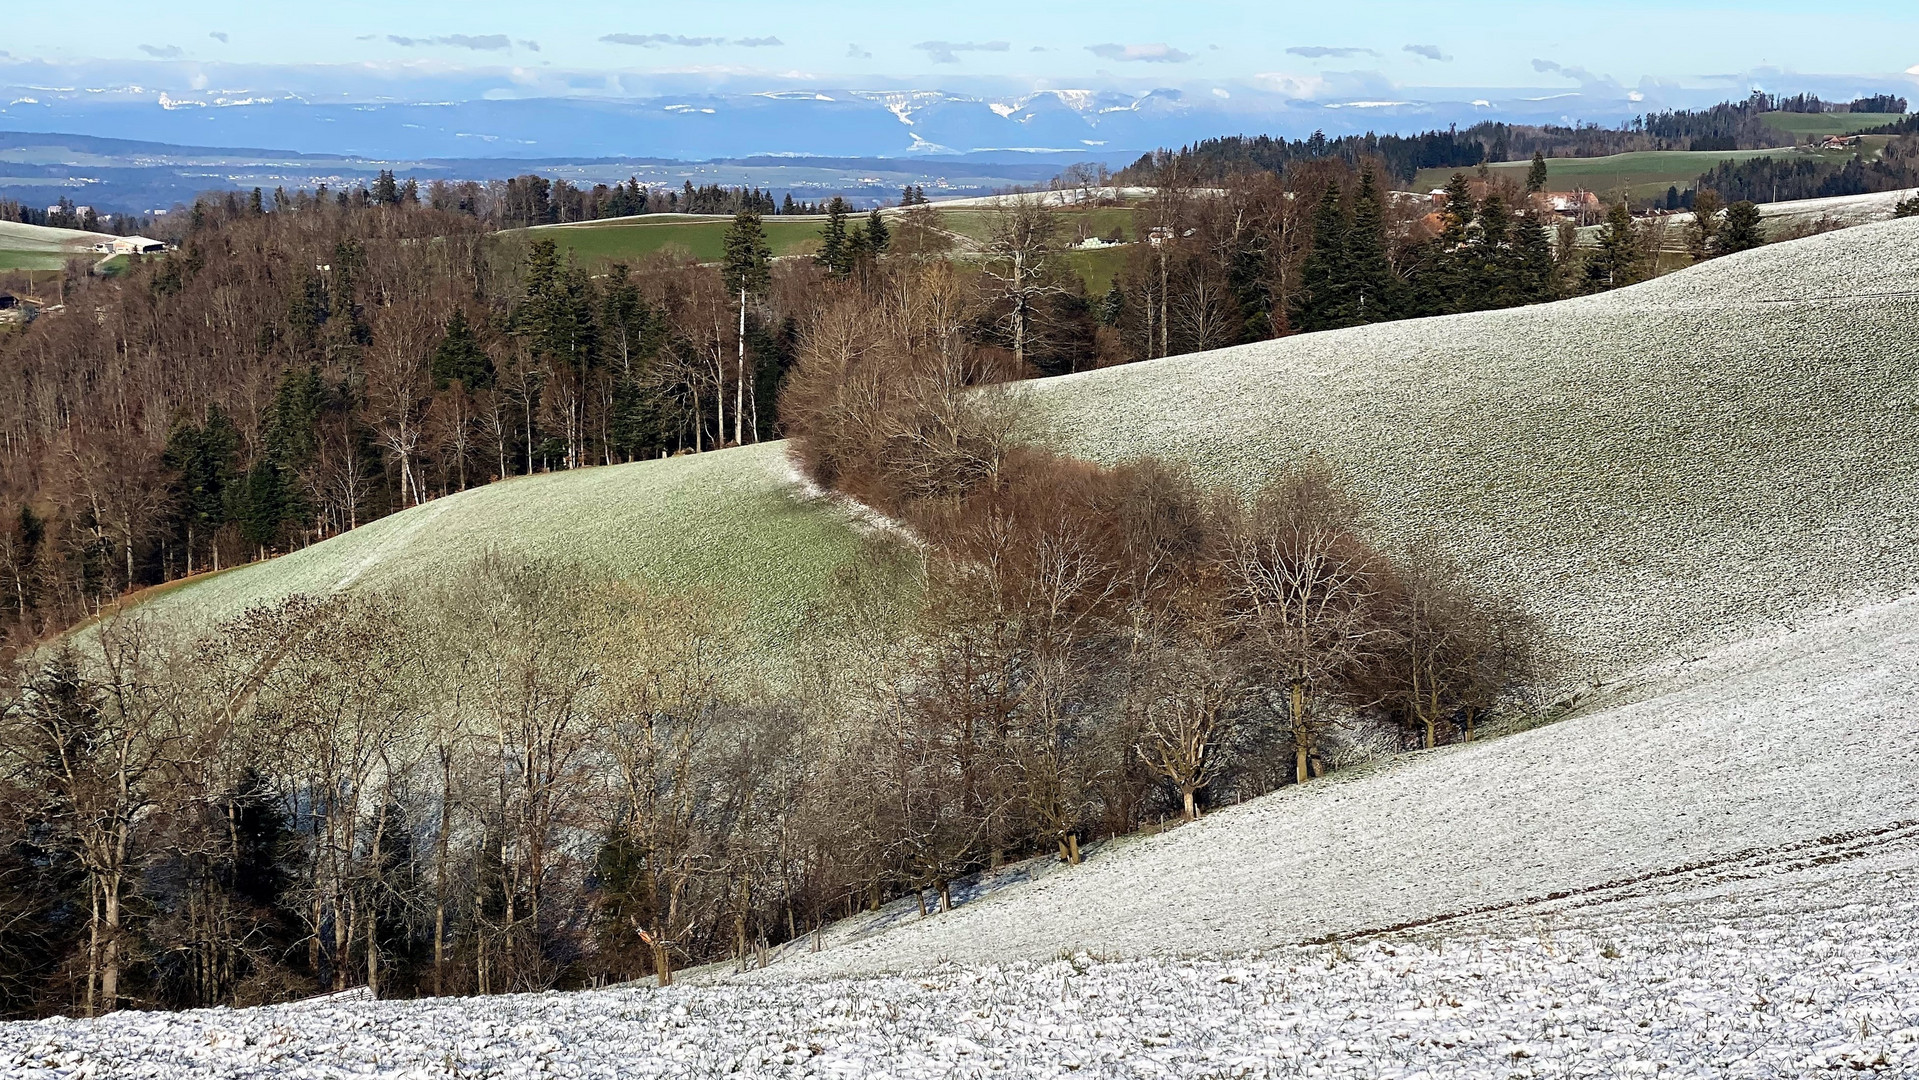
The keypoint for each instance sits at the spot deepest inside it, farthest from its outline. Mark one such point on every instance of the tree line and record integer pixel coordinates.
(301, 367)
(1731, 125)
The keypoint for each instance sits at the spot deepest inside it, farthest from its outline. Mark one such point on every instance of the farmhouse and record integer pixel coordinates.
(130, 245)
(1839, 142)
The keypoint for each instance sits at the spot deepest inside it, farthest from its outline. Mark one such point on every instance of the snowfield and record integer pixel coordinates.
(1779, 746)
(1773, 972)
(1720, 879)
(1651, 470)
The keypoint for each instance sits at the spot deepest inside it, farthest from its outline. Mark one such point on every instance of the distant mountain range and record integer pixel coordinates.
(814, 122)
(136, 147)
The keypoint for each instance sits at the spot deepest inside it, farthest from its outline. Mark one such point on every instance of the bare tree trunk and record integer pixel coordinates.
(739, 390)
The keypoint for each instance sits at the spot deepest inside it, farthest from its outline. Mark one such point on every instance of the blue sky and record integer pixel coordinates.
(1288, 44)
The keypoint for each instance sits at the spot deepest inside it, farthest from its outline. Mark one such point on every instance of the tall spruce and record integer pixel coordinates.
(835, 253)
(748, 256)
(1617, 262)
(1323, 276)
(1536, 175)
(1374, 288)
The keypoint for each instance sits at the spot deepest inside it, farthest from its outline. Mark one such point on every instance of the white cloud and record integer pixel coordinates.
(1297, 86)
(947, 52)
(477, 42)
(1318, 52)
(1156, 53)
(854, 52)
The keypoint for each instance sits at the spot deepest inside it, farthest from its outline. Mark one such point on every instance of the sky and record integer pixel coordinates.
(1301, 48)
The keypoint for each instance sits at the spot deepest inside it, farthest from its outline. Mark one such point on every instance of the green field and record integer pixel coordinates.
(733, 521)
(700, 238)
(30, 260)
(1097, 267)
(1644, 174)
(1829, 123)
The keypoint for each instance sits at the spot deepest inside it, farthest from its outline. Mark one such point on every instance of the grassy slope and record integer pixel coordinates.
(702, 237)
(732, 521)
(1650, 469)
(31, 260)
(1643, 174)
(1829, 123)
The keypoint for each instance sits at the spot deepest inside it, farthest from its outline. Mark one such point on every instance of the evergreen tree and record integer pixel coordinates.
(1495, 269)
(1369, 273)
(1112, 307)
(748, 259)
(1618, 261)
(202, 460)
(1323, 288)
(1533, 261)
(262, 505)
(835, 252)
(1448, 268)
(1536, 175)
(386, 190)
(1703, 235)
(1742, 230)
(459, 357)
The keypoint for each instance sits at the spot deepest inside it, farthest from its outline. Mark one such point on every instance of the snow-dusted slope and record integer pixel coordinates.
(1651, 469)
(1778, 971)
(1789, 742)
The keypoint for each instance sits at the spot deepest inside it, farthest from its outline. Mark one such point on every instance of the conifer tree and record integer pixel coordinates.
(1618, 261)
(1369, 274)
(748, 259)
(1536, 175)
(835, 252)
(1741, 230)
(1494, 274)
(1322, 279)
(459, 357)
(1703, 235)
(878, 236)
(1533, 260)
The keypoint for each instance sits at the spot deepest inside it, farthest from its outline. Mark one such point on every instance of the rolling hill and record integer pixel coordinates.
(1639, 175)
(1651, 469)
(734, 521)
(1711, 869)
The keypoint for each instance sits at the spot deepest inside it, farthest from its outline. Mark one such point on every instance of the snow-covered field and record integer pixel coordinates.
(1777, 971)
(1652, 470)
(1774, 745)
(1718, 879)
